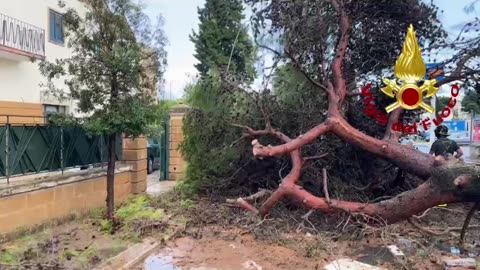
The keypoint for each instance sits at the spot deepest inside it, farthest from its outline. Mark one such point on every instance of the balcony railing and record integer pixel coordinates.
(22, 37)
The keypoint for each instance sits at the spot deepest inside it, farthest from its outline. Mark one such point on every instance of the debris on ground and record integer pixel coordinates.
(455, 250)
(395, 251)
(210, 236)
(407, 245)
(349, 264)
(457, 264)
(252, 265)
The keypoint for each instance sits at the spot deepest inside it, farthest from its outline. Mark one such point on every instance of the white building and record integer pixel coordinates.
(30, 29)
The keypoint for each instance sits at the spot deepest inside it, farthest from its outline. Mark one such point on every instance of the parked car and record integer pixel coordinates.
(153, 155)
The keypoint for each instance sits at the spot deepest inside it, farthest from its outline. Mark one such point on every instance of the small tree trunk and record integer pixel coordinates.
(112, 140)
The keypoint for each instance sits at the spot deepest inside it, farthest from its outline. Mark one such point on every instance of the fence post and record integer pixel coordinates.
(61, 148)
(167, 145)
(7, 150)
(164, 151)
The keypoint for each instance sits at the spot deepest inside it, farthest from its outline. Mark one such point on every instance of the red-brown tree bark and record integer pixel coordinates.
(437, 189)
(460, 188)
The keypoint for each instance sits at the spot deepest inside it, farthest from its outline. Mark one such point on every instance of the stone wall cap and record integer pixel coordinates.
(180, 108)
(27, 185)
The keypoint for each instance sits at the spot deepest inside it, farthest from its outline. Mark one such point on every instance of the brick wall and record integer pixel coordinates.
(135, 154)
(30, 205)
(41, 205)
(176, 166)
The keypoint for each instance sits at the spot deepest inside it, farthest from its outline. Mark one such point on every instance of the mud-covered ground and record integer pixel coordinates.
(200, 233)
(227, 238)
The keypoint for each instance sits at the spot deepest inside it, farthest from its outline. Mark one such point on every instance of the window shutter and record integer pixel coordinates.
(52, 26)
(58, 28)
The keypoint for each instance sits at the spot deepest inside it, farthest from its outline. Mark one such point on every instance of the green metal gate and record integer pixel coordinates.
(164, 148)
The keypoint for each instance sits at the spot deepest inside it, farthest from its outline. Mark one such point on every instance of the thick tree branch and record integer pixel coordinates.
(458, 73)
(390, 135)
(437, 190)
(286, 183)
(340, 51)
(392, 210)
(431, 193)
(291, 145)
(405, 157)
(242, 203)
(453, 78)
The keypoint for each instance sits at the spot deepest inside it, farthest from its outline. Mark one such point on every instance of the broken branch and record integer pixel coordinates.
(315, 157)
(474, 208)
(325, 185)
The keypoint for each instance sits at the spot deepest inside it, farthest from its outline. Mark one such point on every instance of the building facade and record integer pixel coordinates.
(30, 30)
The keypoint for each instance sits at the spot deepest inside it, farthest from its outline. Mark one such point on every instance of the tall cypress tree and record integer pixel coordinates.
(220, 30)
(222, 41)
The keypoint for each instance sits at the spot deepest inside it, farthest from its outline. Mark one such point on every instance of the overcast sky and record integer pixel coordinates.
(181, 17)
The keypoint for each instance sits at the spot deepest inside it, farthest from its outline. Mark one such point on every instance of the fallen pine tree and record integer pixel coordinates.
(446, 180)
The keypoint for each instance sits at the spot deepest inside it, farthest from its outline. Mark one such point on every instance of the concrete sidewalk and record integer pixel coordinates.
(157, 187)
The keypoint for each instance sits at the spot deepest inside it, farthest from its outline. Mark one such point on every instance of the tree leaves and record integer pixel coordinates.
(222, 40)
(116, 65)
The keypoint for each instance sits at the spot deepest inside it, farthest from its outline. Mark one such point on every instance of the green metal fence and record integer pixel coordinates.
(27, 149)
(164, 149)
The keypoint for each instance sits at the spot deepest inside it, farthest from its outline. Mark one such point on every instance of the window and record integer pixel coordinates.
(53, 109)
(56, 27)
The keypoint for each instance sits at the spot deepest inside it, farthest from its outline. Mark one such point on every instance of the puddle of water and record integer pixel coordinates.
(160, 263)
(217, 254)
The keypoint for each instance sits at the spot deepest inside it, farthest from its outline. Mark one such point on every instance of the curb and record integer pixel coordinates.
(130, 257)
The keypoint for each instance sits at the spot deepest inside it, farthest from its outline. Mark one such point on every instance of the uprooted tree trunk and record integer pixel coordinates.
(447, 181)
